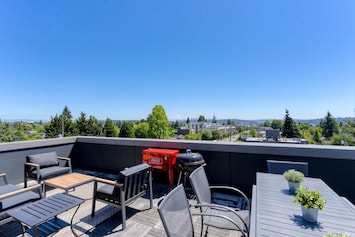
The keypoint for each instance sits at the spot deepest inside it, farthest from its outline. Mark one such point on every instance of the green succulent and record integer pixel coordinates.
(310, 198)
(293, 176)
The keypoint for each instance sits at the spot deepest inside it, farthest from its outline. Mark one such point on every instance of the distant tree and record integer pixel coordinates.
(94, 127)
(126, 130)
(267, 123)
(176, 125)
(329, 126)
(206, 135)
(202, 118)
(289, 129)
(7, 133)
(187, 120)
(110, 129)
(214, 119)
(158, 123)
(276, 124)
(193, 136)
(230, 122)
(82, 125)
(317, 136)
(141, 130)
(54, 127)
(216, 135)
(349, 132)
(253, 133)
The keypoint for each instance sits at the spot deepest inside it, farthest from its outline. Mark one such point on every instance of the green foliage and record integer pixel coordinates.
(158, 123)
(276, 124)
(206, 135)
(330, 234)
(202, 118)
(110, 129)
(193, 136)
(141, 130)
(310, 198)
(289, 129)
(329, 126)
(216, 135)
(293, 176)
(126, 130)
(267, 123)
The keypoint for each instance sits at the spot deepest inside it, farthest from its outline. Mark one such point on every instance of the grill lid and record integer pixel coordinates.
(188, 157)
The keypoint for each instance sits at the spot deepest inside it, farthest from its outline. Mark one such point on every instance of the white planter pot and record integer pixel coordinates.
(293, 187)
(310, 214)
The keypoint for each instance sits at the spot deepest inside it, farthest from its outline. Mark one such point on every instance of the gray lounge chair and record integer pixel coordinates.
(12, 196)
(131, 184)
(279, 167)
(45, 166)
(202, 189)
(175, 214)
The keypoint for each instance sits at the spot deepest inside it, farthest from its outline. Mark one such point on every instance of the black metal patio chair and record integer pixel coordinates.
(203, 191)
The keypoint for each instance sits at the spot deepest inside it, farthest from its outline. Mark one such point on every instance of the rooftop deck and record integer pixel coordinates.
(228, 163)
(141, 221)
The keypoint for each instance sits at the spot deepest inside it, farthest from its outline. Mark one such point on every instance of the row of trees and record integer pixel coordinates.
(329, 131)
(157, 125)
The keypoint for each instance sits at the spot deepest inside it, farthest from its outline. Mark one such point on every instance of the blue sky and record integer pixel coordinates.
(230, 58)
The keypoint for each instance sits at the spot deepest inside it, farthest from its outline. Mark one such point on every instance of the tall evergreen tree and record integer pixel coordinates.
(110, 129)
(289, 129)
(126, 130)
(329, 126)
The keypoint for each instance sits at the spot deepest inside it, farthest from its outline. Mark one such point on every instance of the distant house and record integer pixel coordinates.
(273, 134)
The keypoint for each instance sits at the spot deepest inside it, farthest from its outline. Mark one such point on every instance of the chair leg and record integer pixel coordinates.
(93, 207)
(94, 200)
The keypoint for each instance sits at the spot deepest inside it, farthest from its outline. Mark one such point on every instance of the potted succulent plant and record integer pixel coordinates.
(294, 179)
(311, 201)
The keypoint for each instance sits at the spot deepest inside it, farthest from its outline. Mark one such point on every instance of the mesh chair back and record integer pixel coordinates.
(200, 185)
(279, 167)
(174, 211)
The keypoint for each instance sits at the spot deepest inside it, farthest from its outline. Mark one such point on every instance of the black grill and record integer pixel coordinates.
(188, 162)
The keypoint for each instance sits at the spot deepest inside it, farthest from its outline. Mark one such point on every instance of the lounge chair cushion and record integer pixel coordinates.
(44, 159)
(51, 171)
(107, 192)
(16, 200)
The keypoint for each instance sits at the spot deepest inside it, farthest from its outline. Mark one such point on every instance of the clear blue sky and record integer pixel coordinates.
(229, 58)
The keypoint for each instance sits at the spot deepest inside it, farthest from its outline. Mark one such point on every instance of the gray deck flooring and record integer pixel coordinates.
(141, 221)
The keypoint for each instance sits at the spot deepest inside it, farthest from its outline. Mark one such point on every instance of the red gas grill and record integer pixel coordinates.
(163, 159)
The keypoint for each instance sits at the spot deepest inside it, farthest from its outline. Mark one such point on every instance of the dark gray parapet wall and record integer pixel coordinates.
(231, 163)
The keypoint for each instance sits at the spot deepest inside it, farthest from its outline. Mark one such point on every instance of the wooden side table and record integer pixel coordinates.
(68, 181)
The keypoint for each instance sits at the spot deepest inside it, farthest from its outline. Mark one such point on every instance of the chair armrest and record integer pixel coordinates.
(223, 217)
(3, 175)
(64, 158)
(107, 181)
(225, 208)
(235, 190)
(32, 164)
(10, 194)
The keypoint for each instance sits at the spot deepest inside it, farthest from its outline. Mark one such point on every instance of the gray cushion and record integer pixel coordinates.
(108, 192)
(51, 171)
(15, 200)
(44, 159)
